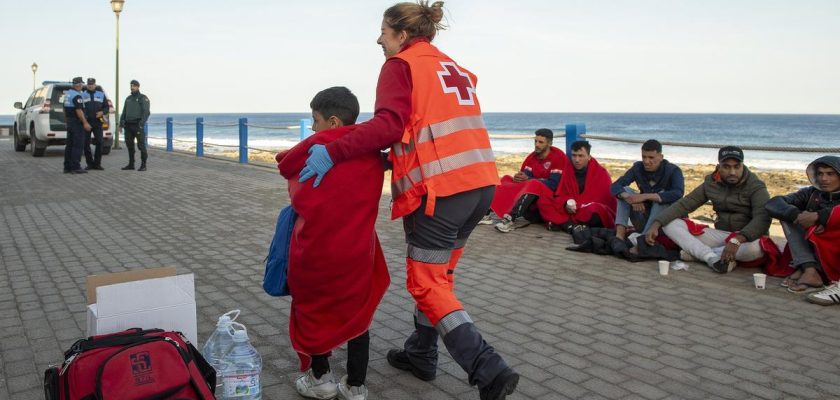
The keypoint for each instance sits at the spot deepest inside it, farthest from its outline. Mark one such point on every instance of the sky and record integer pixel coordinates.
(710, 56)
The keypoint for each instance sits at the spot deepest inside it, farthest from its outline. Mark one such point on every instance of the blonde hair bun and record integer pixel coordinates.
(418, 19)
(436, 12)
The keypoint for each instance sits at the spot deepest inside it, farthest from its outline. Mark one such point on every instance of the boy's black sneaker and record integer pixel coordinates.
(399, 360)
(502, 385)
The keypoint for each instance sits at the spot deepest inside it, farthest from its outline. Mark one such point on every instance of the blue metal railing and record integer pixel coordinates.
(573, 133)
(242, 125)
(199, 137)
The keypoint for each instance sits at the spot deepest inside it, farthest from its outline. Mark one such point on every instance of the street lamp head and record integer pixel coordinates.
(117, 6)
(34, 67)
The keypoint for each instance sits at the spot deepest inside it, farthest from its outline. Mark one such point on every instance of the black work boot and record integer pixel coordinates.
(399, 360)
(502, 385)
(142, 167)
(475, 356)
(419, 355)
(130, 166)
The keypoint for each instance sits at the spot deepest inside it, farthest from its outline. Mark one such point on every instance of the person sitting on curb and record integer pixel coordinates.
(738, 197)
(515, 195)
(805, 216)
(660, 183)
(583, 196)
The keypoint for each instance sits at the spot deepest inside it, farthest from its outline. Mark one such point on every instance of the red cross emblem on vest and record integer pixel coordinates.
(453, 80)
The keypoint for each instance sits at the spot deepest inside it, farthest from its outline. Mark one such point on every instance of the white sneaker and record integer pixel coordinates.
(828, 297)
(506, 224)
(347, 392)
(324, 388)
(486, 220)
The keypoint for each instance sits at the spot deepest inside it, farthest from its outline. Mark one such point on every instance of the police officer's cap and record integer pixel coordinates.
(134, 82)
(91, 81)
(77, 80)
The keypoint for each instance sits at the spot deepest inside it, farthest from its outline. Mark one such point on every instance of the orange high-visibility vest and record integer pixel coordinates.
(445, 148)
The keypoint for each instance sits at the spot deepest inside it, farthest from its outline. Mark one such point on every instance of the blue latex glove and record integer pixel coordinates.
(318, 163)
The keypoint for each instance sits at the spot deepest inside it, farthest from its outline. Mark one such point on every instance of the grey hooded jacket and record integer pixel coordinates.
(787, 208)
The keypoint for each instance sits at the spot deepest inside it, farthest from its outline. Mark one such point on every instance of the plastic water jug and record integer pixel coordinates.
(241, 368)
(219, 343)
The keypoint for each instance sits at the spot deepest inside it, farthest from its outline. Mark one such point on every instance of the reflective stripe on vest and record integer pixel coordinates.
(440, 166)
(441, 129)
(401, 149)
(450, 126)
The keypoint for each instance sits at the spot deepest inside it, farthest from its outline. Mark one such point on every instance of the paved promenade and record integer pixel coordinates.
(574, 325)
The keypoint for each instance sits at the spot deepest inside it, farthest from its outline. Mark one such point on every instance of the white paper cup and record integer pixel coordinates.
(664, 266)
(760, 280)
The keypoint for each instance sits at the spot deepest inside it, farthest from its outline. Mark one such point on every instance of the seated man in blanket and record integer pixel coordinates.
(810, 219)
(516, 195)
(583, 197)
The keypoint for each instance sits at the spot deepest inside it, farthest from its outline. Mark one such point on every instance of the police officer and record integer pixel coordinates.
(96, 107)
(77, 127)
(133, 119)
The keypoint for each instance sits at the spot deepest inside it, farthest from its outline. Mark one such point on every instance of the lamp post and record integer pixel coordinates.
(117, 7)
(34, 69)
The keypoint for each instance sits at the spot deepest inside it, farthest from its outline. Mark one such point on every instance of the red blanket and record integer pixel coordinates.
(595, 199)
(827, 245)
(508, 192)
(540, 169)
(337, 271)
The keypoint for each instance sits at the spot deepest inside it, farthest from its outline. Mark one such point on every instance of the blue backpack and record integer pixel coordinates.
(277, 261)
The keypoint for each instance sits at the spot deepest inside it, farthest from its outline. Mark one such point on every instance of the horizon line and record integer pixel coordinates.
(525, 112)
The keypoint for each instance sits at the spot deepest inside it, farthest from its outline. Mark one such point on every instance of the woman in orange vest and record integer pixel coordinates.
(443, 180)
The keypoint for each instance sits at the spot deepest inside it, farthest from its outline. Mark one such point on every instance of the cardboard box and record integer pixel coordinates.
(149, 298)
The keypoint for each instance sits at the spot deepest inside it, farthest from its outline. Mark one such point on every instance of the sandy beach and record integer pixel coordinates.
(778, 181)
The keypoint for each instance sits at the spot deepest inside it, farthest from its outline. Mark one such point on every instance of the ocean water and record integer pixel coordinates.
(513, 133)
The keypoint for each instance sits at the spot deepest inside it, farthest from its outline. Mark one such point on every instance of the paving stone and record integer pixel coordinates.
(615, 331)
(644, 390)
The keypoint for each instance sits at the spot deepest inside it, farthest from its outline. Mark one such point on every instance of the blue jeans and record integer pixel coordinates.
(624, 214)
(800, 248)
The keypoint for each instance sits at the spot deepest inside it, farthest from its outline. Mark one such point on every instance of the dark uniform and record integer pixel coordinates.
(133, 119)
(95, 102)
(73, 100)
